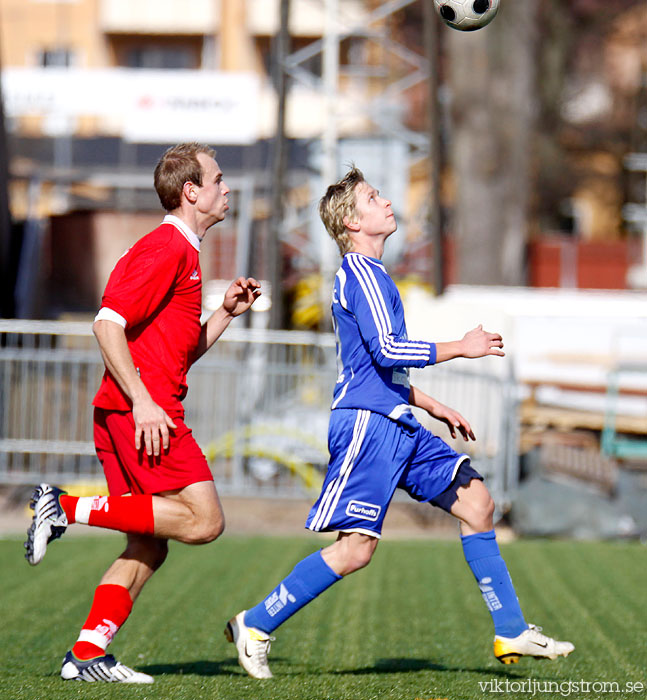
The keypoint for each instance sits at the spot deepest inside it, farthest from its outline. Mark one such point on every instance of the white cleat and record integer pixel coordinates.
(252, 644)
(103, 669)
(48, 523)
(530, 642)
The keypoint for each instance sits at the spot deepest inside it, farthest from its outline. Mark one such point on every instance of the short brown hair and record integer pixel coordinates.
(178, 165)
(338, 202)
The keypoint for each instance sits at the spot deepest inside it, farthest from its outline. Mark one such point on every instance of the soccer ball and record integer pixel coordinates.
(467, 15)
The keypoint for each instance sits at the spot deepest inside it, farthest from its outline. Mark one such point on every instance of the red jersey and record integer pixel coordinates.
(156, 286)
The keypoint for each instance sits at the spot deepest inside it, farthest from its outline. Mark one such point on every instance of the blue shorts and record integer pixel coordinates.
(372, 455)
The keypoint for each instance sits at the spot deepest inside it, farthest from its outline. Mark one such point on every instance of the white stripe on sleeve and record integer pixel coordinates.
(390, 348)
(106, 314)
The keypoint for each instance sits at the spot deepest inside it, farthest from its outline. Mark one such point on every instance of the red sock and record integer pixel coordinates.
(110, 609)
(125, 513)
(68, 504)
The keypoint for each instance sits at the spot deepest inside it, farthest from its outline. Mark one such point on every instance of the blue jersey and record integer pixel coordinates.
(373, 351)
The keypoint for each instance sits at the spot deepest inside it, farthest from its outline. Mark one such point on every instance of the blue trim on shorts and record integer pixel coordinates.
(447, 498)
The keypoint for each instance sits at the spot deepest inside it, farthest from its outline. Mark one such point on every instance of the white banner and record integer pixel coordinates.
(141, 105)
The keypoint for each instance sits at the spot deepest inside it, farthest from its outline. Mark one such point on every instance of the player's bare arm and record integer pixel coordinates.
(239, 297)
(475, 343)
(451, 418)
(151, 421)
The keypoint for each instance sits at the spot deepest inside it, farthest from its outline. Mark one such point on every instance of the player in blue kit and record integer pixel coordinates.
(376, 444)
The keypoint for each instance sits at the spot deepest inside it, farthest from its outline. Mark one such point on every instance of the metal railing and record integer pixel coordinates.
(258, 405)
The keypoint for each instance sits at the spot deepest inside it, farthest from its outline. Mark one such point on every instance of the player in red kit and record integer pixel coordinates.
(149, 332)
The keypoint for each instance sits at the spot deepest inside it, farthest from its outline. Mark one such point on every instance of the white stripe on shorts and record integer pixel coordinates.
(336, 486)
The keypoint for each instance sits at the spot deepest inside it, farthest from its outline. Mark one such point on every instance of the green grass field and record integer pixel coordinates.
(412, 625)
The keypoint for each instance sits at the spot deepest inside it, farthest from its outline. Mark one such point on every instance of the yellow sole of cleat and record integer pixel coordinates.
(509, 658)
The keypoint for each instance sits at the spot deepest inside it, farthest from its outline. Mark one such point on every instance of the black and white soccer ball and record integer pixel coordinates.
(467, 15)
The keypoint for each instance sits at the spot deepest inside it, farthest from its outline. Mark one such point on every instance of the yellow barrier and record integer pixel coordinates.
(236, 442)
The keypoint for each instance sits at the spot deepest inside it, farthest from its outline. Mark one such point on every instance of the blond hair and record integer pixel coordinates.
(339, 202)
(178, 165)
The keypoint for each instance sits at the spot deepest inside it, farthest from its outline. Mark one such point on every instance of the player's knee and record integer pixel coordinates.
(357, 559)
(216, 528)
(483, 515)
(358, 562)
(207, 529)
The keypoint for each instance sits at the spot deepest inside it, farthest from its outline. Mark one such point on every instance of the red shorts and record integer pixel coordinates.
(129, 470)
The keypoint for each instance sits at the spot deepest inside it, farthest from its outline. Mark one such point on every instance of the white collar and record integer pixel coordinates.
(183, 229)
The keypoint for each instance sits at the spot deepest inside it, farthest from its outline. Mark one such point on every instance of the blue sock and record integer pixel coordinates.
(482, 554)
(304, 583)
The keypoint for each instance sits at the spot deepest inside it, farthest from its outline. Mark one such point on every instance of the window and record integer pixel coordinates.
(55, 58)
(156, 53)
(158, 57)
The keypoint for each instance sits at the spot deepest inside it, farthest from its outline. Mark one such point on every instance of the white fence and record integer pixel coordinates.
(258, 405)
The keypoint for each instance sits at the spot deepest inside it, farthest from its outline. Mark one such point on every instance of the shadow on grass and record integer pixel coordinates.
(190, 668)
(405, 665)
(230, 667)
(226, 667)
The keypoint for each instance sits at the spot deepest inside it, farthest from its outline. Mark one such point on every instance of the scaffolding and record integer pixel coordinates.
(365, 111)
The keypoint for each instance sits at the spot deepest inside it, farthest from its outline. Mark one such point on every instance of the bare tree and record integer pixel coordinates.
(494, 106)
